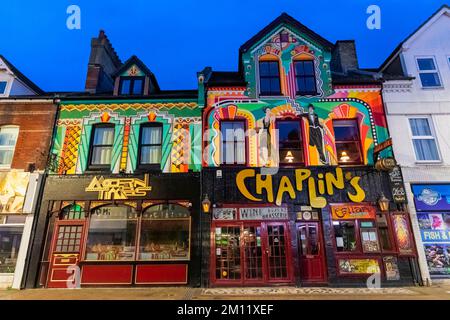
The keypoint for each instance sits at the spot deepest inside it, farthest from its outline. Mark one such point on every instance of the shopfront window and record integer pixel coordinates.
(11, 229)
(112, 234)
(72, 212)
(165, 233)
(345, 235)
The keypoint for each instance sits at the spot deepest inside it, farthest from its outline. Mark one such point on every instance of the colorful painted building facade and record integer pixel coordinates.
(291, 143)
(116, 209)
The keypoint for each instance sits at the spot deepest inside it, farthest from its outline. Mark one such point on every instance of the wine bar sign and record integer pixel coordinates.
(263, 213)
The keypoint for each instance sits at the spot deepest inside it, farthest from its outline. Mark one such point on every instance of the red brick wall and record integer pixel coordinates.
(35, 121)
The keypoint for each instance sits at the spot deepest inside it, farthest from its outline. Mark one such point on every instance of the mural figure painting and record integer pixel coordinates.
(315, 132)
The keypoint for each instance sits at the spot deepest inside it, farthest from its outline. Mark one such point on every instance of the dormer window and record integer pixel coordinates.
(305, 77)
(131, 86)
(3, 87)
(269, 73)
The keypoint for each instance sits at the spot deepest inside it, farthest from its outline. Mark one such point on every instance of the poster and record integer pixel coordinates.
(13, 187)
(358, 266)
(402, 234)
(391, 268)
(438, 259)
(435, 233)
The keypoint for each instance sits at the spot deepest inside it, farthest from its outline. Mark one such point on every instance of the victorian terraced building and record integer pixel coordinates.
(262, 176)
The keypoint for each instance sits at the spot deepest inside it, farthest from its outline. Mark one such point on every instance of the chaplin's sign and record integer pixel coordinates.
(316, 185)
(119, 188)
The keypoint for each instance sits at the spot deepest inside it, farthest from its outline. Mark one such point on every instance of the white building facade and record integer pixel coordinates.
(417, 101)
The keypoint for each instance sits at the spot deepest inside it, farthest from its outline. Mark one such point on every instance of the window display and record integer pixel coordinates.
(165, 233)
(112, 234)
(369, 239)
(10, 238)
(345, 234)
(359, 266)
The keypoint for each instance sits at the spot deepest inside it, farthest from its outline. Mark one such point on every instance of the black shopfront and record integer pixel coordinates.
(117, 230)
(310, 226)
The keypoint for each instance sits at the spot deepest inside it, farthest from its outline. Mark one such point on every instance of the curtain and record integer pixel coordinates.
(151, 141)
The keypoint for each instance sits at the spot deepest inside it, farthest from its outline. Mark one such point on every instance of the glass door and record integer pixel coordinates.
(277, 252)
(228, 253)
(253, 253)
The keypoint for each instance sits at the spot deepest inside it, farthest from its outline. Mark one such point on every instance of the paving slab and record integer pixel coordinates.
(435, 292)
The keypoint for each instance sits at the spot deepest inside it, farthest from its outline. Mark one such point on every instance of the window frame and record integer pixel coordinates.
(436, 70)
(302, 142)
(222, 140)
(149, 166)
(361, 155)
(432, 137)
(99, 167)
(9, 148)
(132, 82)
(314, 76)
(269, 94)
(4, 93)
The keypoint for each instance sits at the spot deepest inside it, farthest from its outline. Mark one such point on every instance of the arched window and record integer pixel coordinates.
(305, 75)
(102, 141)
(112, 234)
(150, 144)
(165, 233)
(72, 212)
(8, 139)
(269, 75)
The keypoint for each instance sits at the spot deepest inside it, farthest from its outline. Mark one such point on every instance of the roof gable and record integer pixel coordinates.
(290, 25)
(135, 67)
(20, 76)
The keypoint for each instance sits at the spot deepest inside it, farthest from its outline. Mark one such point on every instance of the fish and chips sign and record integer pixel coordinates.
(119, 188)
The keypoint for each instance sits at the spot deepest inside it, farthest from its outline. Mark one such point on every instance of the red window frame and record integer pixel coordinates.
(301, 146)
(222, 141)
(358, 142)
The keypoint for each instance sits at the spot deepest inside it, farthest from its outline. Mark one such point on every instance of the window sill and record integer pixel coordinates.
(433, 88)
(429, 162)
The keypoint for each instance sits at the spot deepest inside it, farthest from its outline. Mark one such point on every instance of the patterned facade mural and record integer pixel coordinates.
(362, 102)
(181, 133)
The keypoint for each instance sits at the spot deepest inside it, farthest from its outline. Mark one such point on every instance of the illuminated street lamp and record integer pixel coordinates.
(206, 204)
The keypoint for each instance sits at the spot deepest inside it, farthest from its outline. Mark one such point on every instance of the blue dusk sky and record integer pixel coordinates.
(177, 38)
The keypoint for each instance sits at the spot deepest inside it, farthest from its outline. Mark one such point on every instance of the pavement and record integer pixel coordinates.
(435, 292)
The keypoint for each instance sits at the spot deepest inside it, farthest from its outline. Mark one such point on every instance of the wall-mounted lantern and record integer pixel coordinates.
(206, 204)
(383, 203)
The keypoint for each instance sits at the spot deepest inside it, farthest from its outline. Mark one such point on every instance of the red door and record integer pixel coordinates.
(66, 252)
(311, 252)
(253, 253)
(278, 252)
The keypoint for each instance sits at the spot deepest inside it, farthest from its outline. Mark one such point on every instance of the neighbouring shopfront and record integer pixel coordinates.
(120, 230)
(18, 192)
(432, 202)
(315, 226)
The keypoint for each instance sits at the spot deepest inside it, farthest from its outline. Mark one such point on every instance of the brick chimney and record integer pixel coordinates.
(344, 56)
(103, 62)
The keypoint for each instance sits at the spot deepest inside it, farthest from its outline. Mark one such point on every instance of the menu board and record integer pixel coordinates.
(391, 268)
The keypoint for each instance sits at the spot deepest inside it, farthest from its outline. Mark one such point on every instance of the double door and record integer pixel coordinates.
(252, 253)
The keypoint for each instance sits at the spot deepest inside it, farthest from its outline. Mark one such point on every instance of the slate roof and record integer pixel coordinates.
(22, 77)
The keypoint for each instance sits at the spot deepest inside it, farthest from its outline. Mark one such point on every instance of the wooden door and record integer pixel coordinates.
(66, 252)
(311, 252)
